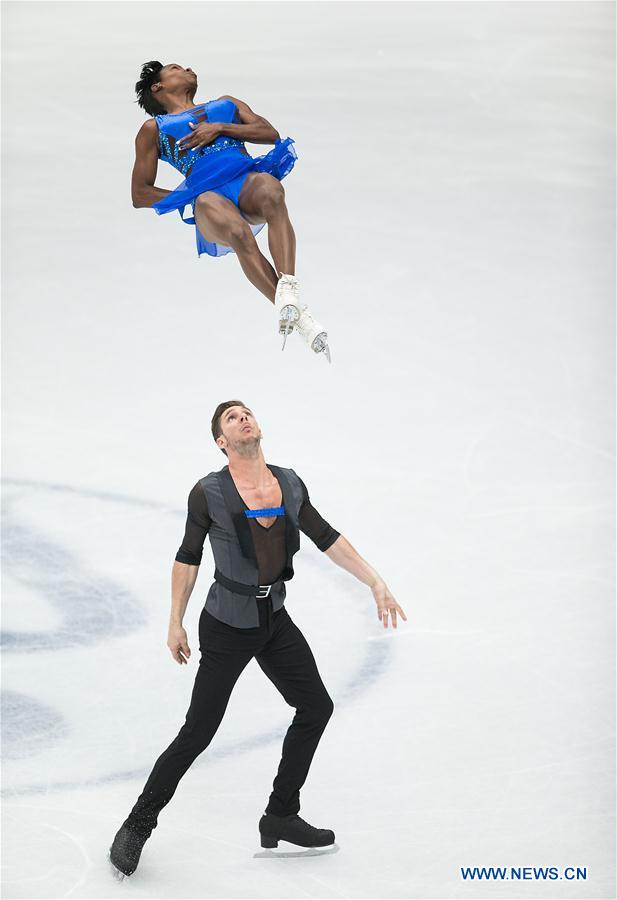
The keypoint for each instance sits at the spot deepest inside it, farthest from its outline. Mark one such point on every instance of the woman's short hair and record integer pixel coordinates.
(150, 72)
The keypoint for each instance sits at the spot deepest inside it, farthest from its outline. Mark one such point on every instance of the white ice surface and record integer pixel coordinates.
(453, 203)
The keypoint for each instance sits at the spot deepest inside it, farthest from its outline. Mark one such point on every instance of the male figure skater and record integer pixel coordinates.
(232, 194)
(252, 513)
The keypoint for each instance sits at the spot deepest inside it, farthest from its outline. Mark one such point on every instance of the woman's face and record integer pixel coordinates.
(173, 77)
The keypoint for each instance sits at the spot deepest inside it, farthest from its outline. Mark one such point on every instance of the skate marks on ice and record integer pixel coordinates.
(66, 605)
(82, 608)
(297, 854)
(91, 608)
(28, 726)
(71, 854)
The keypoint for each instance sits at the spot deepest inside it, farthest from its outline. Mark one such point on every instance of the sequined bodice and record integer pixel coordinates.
(172, 127)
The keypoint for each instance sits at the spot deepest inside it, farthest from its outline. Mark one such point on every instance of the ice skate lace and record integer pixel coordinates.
(307, 323)
(289, 290)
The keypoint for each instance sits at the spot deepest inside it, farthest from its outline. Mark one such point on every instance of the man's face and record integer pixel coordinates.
(239, 431)
(174, 77)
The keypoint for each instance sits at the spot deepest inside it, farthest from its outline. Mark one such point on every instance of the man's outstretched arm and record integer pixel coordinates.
(344, 555)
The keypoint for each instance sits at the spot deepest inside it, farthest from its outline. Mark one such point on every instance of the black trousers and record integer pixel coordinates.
(284, 655)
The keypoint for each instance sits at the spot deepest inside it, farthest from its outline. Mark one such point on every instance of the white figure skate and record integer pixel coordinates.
(313, 333)
(287, 303)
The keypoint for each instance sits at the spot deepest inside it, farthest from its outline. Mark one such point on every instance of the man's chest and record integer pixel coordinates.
(263, 498)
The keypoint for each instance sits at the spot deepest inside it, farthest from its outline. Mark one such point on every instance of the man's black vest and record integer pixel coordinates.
(233, 549)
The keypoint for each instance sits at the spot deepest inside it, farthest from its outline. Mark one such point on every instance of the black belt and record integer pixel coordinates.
(259, 591)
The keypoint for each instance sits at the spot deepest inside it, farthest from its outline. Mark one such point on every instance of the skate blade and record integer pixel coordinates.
(285, 332)
(117, 874)
(288, 317)
(320, 345)
(297, 853)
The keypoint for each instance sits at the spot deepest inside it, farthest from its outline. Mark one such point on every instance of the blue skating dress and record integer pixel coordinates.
(220, 166)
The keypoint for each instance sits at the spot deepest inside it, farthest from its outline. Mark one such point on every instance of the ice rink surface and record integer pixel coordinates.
(453, 204)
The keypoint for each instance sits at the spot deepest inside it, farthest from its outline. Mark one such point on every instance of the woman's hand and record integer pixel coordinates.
(177, 642)
(201, 135)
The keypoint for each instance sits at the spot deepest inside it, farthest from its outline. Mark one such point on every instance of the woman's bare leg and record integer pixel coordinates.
(220, 222)
(262, 199)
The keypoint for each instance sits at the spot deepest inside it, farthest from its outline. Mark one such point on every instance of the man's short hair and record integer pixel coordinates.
(150, 73)
(216, 418)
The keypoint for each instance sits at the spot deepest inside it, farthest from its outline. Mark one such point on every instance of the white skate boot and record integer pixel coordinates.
(313, 333)
(287, 303)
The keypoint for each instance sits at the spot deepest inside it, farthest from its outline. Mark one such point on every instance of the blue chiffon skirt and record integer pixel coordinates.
(212, 171)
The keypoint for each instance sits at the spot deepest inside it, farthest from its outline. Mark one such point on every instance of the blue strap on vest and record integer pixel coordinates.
(259, 513)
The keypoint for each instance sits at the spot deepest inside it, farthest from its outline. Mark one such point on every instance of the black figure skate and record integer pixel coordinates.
(125, 851)
(294, 830)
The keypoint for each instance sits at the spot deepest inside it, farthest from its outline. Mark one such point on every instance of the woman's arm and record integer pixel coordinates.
(143, 191)
(253, 128)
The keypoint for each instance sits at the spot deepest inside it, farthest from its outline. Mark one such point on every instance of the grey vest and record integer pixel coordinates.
(232, 545)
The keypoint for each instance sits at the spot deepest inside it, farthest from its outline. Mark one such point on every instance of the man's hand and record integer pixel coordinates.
(200, 136)
(344, 555)
(387, 607)
(177, 642)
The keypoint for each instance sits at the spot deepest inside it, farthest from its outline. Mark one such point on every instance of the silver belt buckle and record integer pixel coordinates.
(263, 587)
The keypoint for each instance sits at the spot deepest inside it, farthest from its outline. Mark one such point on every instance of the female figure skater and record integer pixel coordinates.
(232, 194)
